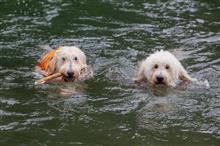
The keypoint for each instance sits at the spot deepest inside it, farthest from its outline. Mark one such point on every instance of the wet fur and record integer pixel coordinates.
(67, 59)
(162, 63)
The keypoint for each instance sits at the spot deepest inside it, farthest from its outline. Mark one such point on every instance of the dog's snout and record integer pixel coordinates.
(70, 74)
(160, 78)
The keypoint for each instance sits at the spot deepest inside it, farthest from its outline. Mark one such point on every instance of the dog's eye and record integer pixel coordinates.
(167, 67)
(63, 58)
(155, 66)
(75, 58)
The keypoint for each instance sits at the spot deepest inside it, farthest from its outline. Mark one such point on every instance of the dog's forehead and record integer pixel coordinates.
(162, 54)
(161, 58)
(69, 51)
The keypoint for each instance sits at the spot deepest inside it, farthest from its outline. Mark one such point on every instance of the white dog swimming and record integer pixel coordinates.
(162, 67)
(69, 61)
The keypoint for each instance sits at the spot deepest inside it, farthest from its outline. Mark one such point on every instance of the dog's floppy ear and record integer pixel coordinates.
(140, 75)
(183, 75)
(52, 65)
(83, 69)
(83, 64)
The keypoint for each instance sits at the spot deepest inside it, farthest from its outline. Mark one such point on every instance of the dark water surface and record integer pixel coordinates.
(109, 109)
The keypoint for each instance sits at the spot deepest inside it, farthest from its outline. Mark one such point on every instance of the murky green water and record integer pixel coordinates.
(109, 109)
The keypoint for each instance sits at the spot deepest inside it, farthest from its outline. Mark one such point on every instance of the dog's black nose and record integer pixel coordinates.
(160, 79)
(70, 74)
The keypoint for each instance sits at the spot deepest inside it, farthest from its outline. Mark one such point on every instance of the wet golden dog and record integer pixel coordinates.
(162, 67)
(70, 61)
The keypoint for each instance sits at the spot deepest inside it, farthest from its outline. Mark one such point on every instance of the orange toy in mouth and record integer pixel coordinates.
(47, 78)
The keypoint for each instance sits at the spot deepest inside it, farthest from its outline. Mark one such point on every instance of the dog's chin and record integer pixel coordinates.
(68, 79)
(156, 83)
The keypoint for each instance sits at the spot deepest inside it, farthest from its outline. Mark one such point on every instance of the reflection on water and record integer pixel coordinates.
(109, 108)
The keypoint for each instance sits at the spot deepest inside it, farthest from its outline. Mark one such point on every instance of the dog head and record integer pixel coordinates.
(70, 61)
(162, 68)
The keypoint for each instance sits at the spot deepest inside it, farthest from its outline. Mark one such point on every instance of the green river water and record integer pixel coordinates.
(109, 108)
